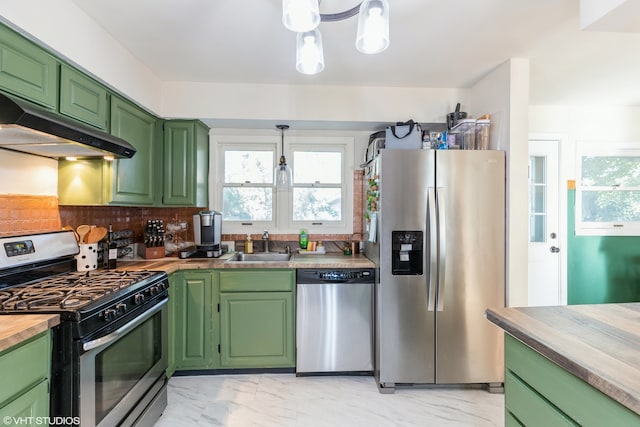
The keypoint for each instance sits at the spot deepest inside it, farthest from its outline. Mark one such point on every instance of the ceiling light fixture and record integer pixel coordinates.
(303, 17)
(283, 174)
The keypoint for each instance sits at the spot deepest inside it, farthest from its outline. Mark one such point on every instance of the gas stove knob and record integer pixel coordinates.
(121, 308)
(154, 290)
(109, 315)
(138, 299)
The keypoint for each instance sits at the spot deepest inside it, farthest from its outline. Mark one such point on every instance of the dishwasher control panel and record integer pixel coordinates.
(341, 275)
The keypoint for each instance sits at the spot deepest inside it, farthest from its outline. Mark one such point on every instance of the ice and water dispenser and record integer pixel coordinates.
(407, 253)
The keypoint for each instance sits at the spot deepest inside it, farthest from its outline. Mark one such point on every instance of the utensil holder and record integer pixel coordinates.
(87, 258)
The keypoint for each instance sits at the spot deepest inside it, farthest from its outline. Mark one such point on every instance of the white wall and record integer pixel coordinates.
(307, 103)
(504, 94)
(27, 174)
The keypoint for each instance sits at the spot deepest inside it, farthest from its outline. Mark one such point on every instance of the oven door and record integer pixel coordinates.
(122, 374)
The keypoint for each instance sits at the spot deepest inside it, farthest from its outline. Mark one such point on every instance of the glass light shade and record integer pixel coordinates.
(309, 54)
(300, 15)
(373, 26)
(283, 176)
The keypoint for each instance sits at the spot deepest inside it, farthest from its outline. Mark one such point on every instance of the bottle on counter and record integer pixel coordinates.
(112, 251)
(304, 239)
(248, 245)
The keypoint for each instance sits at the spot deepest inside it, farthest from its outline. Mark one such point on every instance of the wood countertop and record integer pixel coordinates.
(599, 344)
(16, 328)
(171, 265)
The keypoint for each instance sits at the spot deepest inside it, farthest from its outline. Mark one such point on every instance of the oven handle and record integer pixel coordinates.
(113, 336)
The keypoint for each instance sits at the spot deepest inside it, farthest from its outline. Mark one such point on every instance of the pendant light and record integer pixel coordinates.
(300, 15)
(309, 53)
(283, 174)
(303, 17)
(373, 26)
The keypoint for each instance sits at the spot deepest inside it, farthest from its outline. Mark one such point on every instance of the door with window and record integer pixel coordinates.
(544, 249)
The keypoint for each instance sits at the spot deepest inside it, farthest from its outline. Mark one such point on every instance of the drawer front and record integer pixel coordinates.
(574, 397)
(257, 280)
(24, 365)
(529, 407)
(25, 408)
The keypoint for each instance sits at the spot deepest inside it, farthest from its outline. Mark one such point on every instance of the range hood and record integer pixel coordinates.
(29, 129)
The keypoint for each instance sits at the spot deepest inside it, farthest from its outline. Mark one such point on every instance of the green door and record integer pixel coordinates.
(28, 409)
(256, 330)
(135, 181)
(26, 70)
(193, 314)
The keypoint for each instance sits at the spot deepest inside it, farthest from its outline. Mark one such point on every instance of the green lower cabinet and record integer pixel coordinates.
(193, 333)
(540, 393)
(256, 330)
(25, 371)
(28, 409)
(257, 318)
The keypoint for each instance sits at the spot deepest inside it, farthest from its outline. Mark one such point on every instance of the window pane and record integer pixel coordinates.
(247, 204)
(610, 170)
(610, 206)
(317, 204)
(537, 202)
(248, 166)
(321, 166)
(538, 168)
(537, 225)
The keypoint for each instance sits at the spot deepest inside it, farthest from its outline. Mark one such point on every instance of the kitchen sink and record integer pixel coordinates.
(261, 257)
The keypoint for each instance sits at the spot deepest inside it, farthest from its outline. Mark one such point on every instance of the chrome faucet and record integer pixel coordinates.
(265, 238)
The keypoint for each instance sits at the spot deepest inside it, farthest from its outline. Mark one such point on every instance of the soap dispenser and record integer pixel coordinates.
(248, 245)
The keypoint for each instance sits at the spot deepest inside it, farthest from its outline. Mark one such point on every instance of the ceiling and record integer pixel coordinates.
(434, 43)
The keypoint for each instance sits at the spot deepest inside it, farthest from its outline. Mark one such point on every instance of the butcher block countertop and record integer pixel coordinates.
(17, 328)
(171, 265)
(599, 344)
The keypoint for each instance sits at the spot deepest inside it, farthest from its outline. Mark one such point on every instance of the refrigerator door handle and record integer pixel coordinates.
(442, 248)
(432, 224)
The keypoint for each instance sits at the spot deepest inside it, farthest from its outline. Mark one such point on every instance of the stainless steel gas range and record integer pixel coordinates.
(110, 349)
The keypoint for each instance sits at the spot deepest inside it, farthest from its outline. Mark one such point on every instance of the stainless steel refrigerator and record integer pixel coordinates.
(436, 231)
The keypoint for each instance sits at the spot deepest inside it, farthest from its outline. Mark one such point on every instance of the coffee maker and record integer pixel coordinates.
(207, 233)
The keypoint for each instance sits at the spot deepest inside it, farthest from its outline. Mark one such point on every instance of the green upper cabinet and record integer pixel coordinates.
(83, 99)
(186, 163)
(136, 181)
(26, 70)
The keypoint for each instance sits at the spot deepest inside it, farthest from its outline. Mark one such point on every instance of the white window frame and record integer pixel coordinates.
(343, 145)
(604, 149)
(249, 142)
(282, 222)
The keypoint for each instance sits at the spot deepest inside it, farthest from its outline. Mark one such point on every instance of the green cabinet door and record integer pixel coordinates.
(26, 70)
(83, 99)
(25, 371)
(28, 409)
(186, 163)
(135, 181)
(193, 321)
(257, 318)
(256, 330)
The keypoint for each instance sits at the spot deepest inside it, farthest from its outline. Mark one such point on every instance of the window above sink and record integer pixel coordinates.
(321, 197)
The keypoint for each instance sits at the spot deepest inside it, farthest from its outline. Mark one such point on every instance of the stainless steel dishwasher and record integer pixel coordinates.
(334, 321)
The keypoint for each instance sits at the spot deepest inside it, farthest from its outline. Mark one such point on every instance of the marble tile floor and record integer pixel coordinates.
(284, 400)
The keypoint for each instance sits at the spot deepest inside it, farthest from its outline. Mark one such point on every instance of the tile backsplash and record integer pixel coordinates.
(28, 214)
(34, 214)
